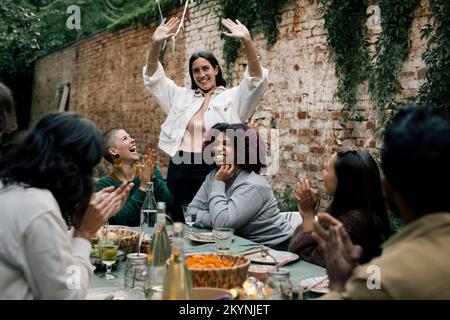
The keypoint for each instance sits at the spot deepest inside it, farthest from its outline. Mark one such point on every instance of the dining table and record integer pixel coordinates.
(298, 268)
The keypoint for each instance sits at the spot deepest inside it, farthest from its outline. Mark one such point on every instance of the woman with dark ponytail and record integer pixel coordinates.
(46, 188)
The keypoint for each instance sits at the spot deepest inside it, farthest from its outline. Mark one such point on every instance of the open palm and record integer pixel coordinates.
(237, 29)
(165, 30)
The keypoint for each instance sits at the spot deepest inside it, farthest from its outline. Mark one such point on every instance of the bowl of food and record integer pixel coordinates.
(129, 238)
(217, 270)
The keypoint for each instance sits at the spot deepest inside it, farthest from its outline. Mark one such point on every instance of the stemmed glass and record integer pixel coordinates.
(190, 215)
(109, 249)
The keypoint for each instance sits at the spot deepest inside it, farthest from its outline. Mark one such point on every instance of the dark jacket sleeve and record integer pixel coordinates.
(129, 215)
(161, 191)
(306, 247)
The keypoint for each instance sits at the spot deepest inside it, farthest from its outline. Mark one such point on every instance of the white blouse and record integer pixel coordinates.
(233, 105)
(39, 259)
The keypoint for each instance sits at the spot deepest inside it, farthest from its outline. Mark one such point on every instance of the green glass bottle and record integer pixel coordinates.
(178, 282)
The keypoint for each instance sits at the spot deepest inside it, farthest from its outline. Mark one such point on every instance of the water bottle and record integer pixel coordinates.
(161, 252)
(149, 208)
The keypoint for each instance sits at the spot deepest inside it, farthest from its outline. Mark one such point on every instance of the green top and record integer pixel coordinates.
(129, 215)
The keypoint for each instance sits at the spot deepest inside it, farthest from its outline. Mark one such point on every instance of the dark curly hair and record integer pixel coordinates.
(416, 157)
(252, 157)
(57, 154)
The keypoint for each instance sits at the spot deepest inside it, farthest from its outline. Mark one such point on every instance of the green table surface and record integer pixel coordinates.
(299, 269)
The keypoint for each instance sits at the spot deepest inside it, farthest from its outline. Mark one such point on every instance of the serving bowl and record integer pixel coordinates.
(217, 270)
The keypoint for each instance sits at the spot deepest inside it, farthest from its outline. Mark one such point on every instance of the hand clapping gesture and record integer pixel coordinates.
(148, 168)
(103, 205)
(341, 255)
(307, 198)
(165, 30)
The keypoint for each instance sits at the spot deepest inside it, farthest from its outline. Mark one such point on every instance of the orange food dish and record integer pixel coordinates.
(208, 262)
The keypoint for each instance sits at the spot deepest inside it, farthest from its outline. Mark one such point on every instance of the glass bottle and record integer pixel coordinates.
(160, 254)
(136, 272)
(149, 208)
(278, 285)
(178, 282)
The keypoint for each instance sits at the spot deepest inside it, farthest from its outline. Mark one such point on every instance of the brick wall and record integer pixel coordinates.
(105, 72)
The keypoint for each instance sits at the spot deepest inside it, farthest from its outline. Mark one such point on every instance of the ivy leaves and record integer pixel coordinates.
(344, 21)
(436, 89)
(257, 16)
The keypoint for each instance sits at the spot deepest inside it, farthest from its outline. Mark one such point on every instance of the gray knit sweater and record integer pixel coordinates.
(245, 203)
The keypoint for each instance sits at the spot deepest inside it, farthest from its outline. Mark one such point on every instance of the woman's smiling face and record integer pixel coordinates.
(204, 74)
(223, 151)
(124, 145)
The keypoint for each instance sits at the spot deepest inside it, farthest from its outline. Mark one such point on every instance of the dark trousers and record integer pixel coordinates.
(185, 175)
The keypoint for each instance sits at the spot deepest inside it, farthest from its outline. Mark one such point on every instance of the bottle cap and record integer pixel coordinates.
(161, 206)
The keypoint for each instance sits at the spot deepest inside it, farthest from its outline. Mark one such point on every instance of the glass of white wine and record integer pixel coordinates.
(109, 249)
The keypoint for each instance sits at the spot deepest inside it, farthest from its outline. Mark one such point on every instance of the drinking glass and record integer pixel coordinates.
(223, 238)
(109, 248)
(190, 215)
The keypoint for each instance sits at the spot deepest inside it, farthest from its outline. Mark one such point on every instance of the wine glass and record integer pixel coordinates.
(109, 248)
(190, 215)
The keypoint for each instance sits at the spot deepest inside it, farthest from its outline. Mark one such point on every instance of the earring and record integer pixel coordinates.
(117, 162)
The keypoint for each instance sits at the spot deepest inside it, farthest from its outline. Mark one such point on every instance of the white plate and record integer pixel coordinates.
(201, 236)
(280, 256)
(112, 293)
(320, 288)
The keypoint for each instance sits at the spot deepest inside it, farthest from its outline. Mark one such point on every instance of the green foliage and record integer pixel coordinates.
(285, 199)
(257, 16)
(344, 21)
(392, 48)
(436, 89)
(18, 39)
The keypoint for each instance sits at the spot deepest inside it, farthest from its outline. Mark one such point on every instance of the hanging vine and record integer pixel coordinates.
(257, 16)
(344, 21)
(392, 48)
(436, 89)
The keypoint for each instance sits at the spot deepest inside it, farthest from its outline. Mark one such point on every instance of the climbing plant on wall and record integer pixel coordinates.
(257, 16)
(392, 48)
(344, 21)
(436, 89)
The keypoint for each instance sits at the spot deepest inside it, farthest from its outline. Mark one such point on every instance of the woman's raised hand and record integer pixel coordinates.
(237, 29)
(165, 30)
(149, 167)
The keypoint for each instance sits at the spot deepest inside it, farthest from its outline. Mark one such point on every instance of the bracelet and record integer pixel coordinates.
(254, 60)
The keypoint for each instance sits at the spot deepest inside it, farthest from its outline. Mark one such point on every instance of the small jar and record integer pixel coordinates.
(278, 285)
(136, 272)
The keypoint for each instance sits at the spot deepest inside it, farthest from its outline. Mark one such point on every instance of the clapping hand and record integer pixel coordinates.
(103, 205)
(237, 29)
(307, 198)
(148, 167)
(165, 30)
(341, 255)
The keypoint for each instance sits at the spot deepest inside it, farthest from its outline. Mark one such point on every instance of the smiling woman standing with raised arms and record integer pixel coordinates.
(190, 112)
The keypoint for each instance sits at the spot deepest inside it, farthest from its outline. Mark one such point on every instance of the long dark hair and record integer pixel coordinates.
(359, 188)
(220, 81)
(58, 154)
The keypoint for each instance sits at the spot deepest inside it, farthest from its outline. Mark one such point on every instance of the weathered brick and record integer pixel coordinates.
(105, 72)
